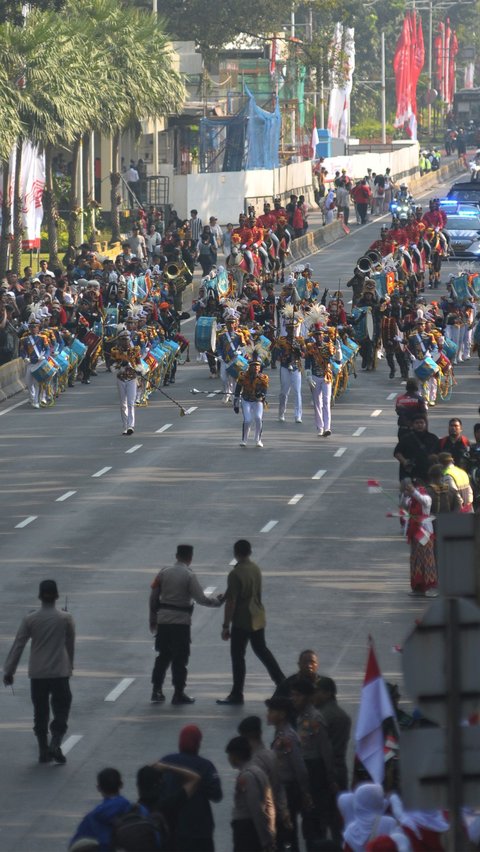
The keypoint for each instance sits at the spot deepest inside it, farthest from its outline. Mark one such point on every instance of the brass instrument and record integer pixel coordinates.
(174, 273)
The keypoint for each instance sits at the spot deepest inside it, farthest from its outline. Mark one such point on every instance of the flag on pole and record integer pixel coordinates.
(375, 707)
(315, 139)
(374, 486)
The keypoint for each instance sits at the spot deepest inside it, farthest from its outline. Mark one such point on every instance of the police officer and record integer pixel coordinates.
(171, 606)
(318, 756)
(253, 815)
(52, 632)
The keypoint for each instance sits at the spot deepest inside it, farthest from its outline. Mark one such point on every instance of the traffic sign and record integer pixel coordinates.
(424, 768)
(425, 660)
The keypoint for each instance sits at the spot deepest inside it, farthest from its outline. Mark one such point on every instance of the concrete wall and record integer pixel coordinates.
(402, 162)
(12, 378)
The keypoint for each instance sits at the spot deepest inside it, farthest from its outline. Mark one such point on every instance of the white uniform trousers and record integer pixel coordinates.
(290, 379)
(252, 411)
(32, 385)
(228, 381)
(466, 343)
(127, 392)
(322, 398)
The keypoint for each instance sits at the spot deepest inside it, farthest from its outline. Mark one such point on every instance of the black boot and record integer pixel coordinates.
(391, 364)
(44, 755)
(55, 751)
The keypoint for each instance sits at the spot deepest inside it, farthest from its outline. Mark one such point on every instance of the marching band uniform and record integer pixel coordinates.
(391, 339)
(290, 350)
(127, 358)
(420, 346)
(252, 388)
(229, 343)
(319, 352)
(32, 349)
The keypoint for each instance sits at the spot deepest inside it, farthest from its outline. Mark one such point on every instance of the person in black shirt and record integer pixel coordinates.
(415, 449)
(455, 442)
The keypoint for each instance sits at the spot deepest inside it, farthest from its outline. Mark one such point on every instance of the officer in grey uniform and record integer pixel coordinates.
(52, 633)
(253, 815)
(171, 606)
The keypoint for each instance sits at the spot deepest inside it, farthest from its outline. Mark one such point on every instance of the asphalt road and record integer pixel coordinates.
(107, 511)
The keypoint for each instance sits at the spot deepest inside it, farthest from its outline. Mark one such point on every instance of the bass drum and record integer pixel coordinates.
(206, 334)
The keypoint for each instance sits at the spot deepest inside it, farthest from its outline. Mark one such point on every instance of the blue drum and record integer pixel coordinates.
(363, 321)
(159, 353)
(78, 348)
(450, 348)
(142, 369)
(111, 315)
(347, 353)
(63, 362)
(237, 366)
(352, 344)
(425, 369)
(336, 367)
(171, 346)
(98, 328)
(206, 334)
(262, 346)
(43, 370)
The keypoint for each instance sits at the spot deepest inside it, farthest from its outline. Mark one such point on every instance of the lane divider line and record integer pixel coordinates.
(11, 407)
(164, 428)
(295, 499)
(211, 395)
(100, 472)
(338, 453)
(134, 448)
(269, 526)
(209, 590)
(26, 522)
(232, 562)
(65, 496)
(359, 431)
(376, 413)
(319, 474)
(391, 395)
(191, 409)
(120, 687)
(70, 742)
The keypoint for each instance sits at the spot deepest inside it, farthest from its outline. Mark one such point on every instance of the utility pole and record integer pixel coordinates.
(430, 51)
(384, 111)
(155, 120)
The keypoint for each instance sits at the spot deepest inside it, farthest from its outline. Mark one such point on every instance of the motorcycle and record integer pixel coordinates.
(474, 167)
(402, 208)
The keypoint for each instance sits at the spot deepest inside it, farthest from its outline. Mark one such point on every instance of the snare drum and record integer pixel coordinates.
(352, 345)
(237, 366)
(43, 370)
(111, 315)
(151, 361)
(425, 369)
(142, 369)
(449, 347)
(262, 346)
(92, 341)
(171, 346)
(206, 334)
(336, 367)
(443, 362)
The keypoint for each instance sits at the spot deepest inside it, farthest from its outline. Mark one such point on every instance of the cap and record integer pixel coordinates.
(303, 686)
(48, 589)
(283, 705)
(124, 333)
(326, 684)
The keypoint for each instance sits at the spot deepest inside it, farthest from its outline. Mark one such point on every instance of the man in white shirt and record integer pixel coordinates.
(216, 231)
(152, 240)
(138, 245)
(133, 179)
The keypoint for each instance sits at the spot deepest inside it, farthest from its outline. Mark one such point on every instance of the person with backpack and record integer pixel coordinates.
(99, 823)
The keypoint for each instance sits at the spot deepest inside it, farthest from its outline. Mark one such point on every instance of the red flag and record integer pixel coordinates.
(446, 61)
(451, 68)
(400, 67)
(438, 50)
(375, 707)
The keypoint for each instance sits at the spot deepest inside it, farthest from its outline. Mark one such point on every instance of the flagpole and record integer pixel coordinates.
(430, 50)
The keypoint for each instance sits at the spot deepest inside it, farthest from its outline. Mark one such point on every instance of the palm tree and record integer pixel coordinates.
(140, 69)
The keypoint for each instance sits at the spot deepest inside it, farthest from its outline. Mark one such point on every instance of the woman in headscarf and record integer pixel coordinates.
(368, 817)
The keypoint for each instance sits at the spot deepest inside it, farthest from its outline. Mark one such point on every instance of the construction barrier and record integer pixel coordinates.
(12, 378)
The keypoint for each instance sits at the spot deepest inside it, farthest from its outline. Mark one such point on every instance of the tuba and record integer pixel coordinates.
(364, 265)
(174, 273)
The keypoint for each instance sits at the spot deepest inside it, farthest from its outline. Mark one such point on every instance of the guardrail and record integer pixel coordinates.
(12, 378)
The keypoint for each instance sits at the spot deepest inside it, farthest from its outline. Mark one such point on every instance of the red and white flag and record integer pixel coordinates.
(374, 486)
(375, 707)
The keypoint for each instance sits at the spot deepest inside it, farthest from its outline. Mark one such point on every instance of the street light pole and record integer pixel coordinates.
(155, 120)
(430, 51)
(384, 111)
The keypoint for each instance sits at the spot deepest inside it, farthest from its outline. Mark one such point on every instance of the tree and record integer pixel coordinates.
(139, 69)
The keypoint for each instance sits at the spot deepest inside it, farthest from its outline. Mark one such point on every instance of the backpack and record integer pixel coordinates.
(135, 832)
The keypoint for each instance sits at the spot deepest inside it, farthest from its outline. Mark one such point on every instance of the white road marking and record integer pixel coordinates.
(11, 407)
(120, 687)
(319, 474)
(376, 413)
(100, 472)
(163, 428)
(65, 496)
(191, 409)
(391, 396)
(233, 562)
(26, 522)
(339, 452)
(295, 499)
(134, 448)
(70, 742)
(359, 431)
(269, 526)
(211, 395)
(209, 590)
